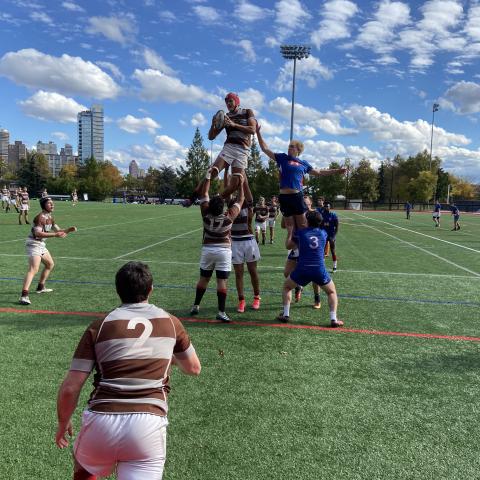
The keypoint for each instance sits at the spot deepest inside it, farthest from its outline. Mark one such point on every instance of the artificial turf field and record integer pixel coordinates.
(393, 395)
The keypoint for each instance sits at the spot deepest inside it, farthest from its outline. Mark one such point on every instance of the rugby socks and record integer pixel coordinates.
(241, 297)
(333, 316)
(286, 310)
(40, 287)
(334, 264)
(24, 293)
(222, 300)
(317, 297)
(200, 292)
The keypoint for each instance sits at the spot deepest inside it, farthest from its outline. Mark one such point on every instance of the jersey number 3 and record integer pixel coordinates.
(313, 242)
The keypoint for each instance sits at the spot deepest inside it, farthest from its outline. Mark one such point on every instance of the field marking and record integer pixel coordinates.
(419, 233)
(16, 240)
(425, 251)
(158, 243)
(289, 326)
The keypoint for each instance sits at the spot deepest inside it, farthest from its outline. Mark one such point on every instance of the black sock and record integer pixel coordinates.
(199, 295)
(222, 300)
(317, 298)
(24, 293)
(40, 286)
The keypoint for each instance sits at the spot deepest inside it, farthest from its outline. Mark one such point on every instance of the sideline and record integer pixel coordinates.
(289, 326)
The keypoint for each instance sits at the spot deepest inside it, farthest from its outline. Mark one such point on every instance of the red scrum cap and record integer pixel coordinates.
(235, 97)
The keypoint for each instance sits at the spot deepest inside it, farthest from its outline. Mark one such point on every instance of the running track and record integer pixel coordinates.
(271, 325)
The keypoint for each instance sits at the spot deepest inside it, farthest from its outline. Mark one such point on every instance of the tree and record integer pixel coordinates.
(462, 189)
(167, 182)
(255, 172)
(196, 166)
(328, 187)
(66, 181)
(443, 180)
(99, 179)
(34, 172)
(364, 182)
(422, 188)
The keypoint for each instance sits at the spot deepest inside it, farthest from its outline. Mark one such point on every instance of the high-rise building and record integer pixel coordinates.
(49, 148)
(4, 142)
(90, 134)
(133, 169)
(16, 152)
(58, 161)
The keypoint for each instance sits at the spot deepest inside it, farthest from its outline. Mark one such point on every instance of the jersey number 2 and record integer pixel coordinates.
(147, 331)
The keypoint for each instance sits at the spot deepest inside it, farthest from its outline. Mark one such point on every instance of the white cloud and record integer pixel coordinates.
(198, 120)
(41, 17)
(113, 68)
(65, 74)
(309, 69)
(463, 97)
(51, 106)
(334, 24)
(269, 128)
(158, 86)
(73, 7)
(248, 51)
(290, 14)
(133, 124)
(167, 16)
(121, 29)
(251, 98)
(328, 122)
(167, 143)
(207, 14)
(63, 137)
(248, 12)
(472, 27)
(155, 61)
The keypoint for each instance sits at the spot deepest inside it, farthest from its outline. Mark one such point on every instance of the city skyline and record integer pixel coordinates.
(367, 90)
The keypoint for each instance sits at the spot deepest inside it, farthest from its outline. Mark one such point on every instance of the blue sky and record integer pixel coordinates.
(162, 68)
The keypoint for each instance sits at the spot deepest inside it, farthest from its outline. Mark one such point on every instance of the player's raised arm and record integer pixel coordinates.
(262, 144)
(327, 171)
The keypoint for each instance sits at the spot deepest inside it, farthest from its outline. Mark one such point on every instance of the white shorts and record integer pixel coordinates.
(24, 207)
(245, 251)
(134, 443)
(436, 214)
(35, 248)
(13, 201)
(271, 222)
(261, 226)
(5, 198)
(235, 155)
(216, 258)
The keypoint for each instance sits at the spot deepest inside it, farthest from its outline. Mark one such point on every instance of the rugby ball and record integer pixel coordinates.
(219, 120)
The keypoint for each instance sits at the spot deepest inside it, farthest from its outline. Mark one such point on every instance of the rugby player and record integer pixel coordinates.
(131, 352)
(272, 216)
(44, 227)
(330, 225)
(24, 205)
(437, 212)
(456, 217)
(310, 267)
(217, 246)
(408, 209)
(5, 196)
(261, 216)
(321, 209)
(239, 125)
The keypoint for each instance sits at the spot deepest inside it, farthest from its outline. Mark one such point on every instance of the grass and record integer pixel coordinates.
(271, 403)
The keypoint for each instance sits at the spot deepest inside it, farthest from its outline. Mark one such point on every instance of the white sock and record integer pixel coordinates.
(335, 264)
(286, 310)
(333, 316)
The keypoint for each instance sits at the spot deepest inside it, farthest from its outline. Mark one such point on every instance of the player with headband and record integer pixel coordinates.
(239, 124)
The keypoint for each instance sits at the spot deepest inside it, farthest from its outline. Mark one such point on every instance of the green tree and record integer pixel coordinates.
(66, 181)
(364, 182)
(328, 187)
(422, 188)
(443, 180)
(167, 183)
(196, 166)
(256, 172)
(99, 179)
(34, 172)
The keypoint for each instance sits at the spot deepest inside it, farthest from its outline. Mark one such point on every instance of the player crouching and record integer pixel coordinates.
(44, 226)
(310, 267)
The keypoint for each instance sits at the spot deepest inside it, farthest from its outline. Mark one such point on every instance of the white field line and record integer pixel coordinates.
(419, 233)
(158, 243)
(260, 267)
(16, 240)
(425, 250)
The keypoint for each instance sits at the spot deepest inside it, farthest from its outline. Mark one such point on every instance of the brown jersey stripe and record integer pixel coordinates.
(157, 408)
(135, 327)
(146, 368)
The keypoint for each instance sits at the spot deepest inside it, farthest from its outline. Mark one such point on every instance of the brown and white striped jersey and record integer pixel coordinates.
(131, 351)
(241, 229)
(24, 198)
(217, 229)
(240, 117)
(42, 223)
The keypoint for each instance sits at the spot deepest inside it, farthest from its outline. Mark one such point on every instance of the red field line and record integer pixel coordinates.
(271, 325)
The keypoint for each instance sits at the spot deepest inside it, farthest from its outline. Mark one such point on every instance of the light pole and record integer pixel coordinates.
(294, 52)
(434, 109)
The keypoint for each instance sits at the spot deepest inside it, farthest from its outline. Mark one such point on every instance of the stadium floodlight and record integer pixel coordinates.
(435, 108)
(294, 52)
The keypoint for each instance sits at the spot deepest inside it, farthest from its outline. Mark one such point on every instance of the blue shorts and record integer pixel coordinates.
(304, 275)
(292, 204)
(456, 217)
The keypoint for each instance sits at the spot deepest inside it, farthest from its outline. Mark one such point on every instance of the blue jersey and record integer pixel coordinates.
(408, 206)
(292, 170)
(438, 207)
(330, 223)
(455, 210)
(311, 245)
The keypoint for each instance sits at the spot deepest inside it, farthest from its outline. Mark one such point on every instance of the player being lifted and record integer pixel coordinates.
(217, 246)
(310, 267)
(44, 227)
(272, 216)
(239, 124)
(292, 170)
(261, 216)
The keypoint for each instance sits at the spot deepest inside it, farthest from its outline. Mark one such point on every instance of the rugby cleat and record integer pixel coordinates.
(24, 300)
(317, 306)
(283, 318)
(241, 306)
(195, 309)
(222, 316)
(336, 323)
(256, 303)
(44, 290)
(334, 269)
